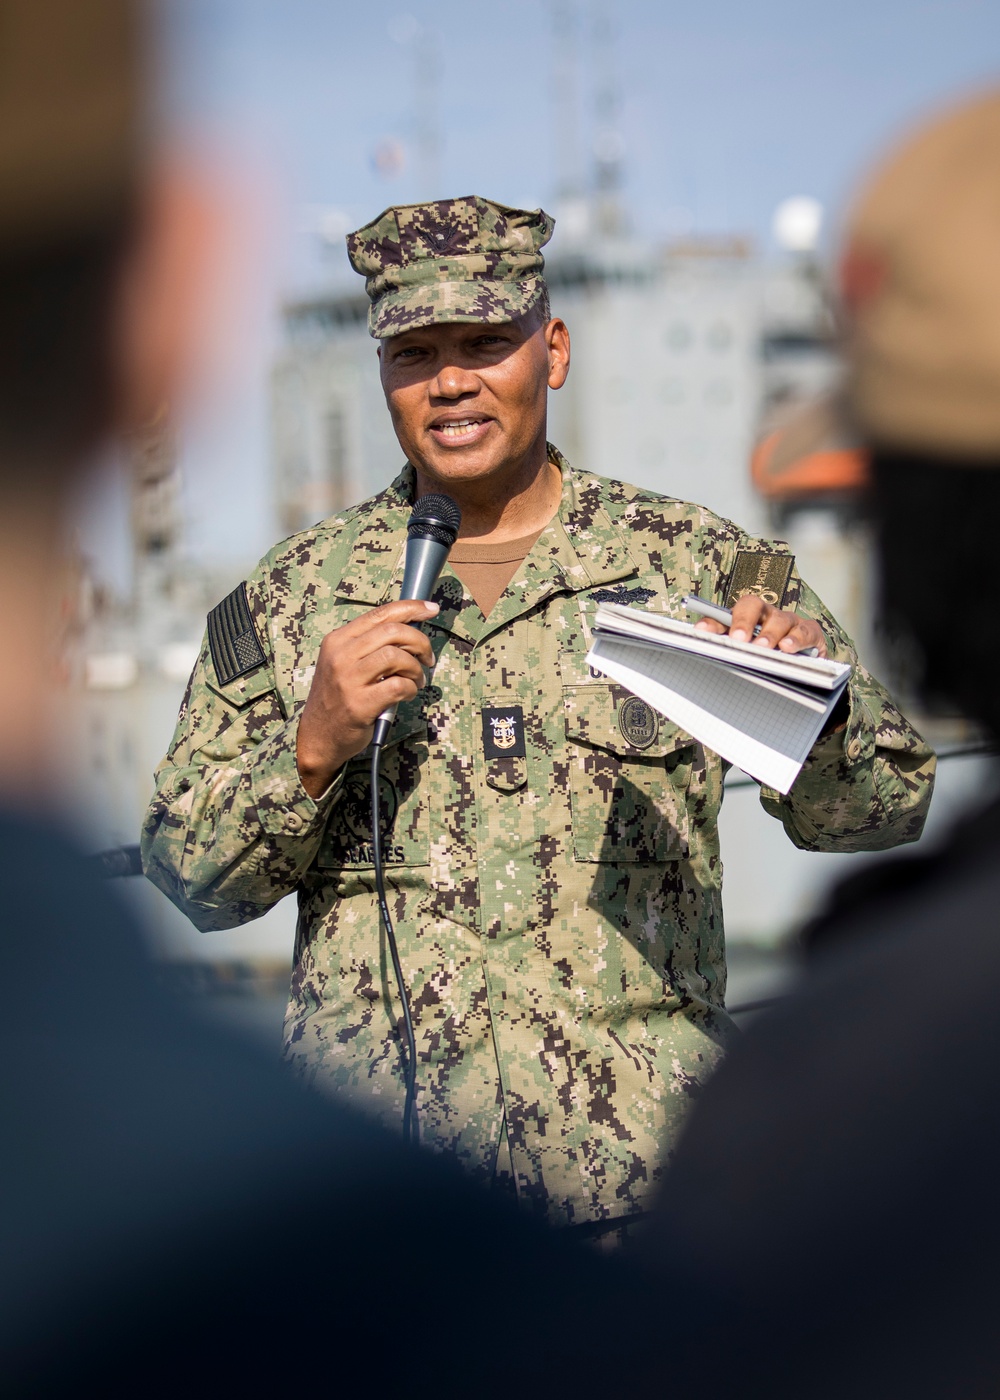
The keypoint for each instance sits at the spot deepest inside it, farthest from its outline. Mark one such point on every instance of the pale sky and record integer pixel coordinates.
(728, 107)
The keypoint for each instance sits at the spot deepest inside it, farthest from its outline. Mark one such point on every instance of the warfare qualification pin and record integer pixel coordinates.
(503, 732)
(637, 722)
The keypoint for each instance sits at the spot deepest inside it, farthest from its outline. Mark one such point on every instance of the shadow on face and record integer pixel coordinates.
(469, 399)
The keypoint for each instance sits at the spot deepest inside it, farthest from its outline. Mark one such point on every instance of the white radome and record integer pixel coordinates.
(797, 224)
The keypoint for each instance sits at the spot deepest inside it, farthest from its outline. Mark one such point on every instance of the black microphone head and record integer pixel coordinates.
(435, 517)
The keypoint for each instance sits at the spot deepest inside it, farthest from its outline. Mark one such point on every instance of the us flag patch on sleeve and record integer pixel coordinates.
(233, 639)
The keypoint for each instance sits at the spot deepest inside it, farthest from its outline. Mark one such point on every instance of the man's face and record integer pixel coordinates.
(469, 401)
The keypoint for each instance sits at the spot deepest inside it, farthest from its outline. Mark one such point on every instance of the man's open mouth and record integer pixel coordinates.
(460, 429)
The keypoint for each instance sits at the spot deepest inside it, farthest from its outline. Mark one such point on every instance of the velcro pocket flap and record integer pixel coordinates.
(244, 689)
(629, 774)
(606, 715)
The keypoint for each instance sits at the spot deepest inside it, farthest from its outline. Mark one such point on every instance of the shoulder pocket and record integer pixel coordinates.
(239, 672)
(347, 841)
(762, 572)
(243, 691)
(629, 773)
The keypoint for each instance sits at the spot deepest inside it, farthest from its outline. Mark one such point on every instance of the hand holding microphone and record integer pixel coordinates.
(431, 532)
(368, 666)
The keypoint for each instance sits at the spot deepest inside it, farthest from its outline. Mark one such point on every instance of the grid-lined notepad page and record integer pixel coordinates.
(762, 727)
(641, 625)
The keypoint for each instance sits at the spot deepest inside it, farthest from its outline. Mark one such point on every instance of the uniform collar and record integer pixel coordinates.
(580, 548)
(376, 557)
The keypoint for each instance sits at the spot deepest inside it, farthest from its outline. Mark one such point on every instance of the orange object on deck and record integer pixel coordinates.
(810, 454)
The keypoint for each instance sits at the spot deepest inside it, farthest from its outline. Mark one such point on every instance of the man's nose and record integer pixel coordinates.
(452, 381)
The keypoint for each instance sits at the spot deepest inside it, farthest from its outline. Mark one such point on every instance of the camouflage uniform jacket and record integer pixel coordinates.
(559, 914)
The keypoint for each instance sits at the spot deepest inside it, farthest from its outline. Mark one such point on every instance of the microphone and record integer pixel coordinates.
(431, 532)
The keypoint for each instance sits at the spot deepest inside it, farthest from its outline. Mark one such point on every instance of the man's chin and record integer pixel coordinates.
(462, 464)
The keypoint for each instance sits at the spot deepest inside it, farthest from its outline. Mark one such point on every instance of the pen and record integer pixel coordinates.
(723, 615)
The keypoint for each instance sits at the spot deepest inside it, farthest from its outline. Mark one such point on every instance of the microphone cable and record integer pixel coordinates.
(411, 1132)
(430, 533)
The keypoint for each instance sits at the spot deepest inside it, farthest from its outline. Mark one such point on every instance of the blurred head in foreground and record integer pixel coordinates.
(824, 1161)
(156, 1173)
(98, 245)
(921, 285)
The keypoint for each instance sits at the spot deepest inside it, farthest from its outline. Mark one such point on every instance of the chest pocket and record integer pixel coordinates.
(346, 844)
(629, 772)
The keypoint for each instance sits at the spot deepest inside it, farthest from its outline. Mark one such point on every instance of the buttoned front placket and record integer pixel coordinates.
(495, 818)
(514, 676)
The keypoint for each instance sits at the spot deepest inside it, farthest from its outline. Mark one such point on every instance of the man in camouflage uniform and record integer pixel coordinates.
(553, 847)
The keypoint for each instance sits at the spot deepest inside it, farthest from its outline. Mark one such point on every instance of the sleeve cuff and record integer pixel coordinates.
(284, 808)
(843, 749)
(853, 745)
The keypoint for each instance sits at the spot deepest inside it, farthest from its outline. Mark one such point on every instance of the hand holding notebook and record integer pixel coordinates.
(760, 708)
(755, 619)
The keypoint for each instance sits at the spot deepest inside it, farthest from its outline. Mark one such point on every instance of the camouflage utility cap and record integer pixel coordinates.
(454, 260)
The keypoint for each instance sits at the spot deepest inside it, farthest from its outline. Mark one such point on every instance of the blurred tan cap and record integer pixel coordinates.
(920, 280)
(70, 101)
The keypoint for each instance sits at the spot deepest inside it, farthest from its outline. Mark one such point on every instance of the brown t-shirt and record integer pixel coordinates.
(486, 569)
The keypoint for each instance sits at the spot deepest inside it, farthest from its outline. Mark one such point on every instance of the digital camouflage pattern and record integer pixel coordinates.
(559, 914)
(454, 260)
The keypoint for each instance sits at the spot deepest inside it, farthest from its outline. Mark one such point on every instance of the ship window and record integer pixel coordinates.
(719, 393)
(719, 337)
(678, 336)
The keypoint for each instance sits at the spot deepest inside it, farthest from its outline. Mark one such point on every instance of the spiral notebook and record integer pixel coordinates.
(760, 710)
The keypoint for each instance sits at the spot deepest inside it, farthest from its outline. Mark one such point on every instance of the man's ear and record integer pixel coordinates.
(556, 335)
(167, 279)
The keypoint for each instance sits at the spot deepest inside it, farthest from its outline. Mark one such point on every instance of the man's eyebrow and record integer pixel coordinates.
(407, 340)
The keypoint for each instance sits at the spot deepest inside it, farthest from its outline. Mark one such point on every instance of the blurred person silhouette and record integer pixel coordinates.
(171, 1206)
(836, 1191)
